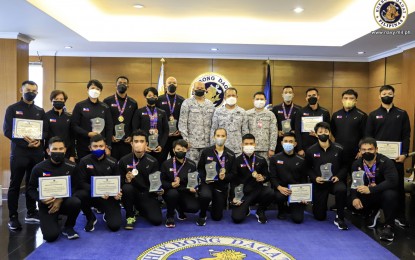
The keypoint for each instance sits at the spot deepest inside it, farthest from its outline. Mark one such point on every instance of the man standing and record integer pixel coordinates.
(122, 109)
(390, 123)
(26, 152)
(263, 125)
(232, 118)
(171, 103)
(285, 113)
(306, 120)
(196, 121)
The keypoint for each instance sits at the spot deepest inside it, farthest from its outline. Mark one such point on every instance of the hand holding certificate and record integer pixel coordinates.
(392, 150)
(54, 187)
(300, 193)
(27, 128)
(102, 186)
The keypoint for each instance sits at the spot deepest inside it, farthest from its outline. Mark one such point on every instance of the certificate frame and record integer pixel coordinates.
(64, 189)
(303, 187)
(20, 124)
(307, 121)
(392, 150)
(97, 189)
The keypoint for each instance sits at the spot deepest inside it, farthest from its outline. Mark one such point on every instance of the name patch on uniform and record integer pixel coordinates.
(339, 116)
(317, 155)
(379, 117)
(46, 174)
(19, 112)
(280, 162)
(52, 120)
(85, 109)
(209, 158)
(90, 166)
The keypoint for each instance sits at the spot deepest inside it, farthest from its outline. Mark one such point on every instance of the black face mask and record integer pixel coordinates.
(151, 101)
(57, 157)
(121, 88)
(387, 100)
(180, 155)
(58, 104)
(368, 156)
(312, 100)
(171, 88)
(199, 92)
(29, 96)
(323, 137)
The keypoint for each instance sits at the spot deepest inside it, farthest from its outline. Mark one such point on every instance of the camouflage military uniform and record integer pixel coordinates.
(263, 125)
(236, 124)
(194, 124)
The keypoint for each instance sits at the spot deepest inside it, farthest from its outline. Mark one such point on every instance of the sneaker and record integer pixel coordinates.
(181, 215)
(401, 222)
(386, 233)
(340, 224)
(14, 223)
(201, 221)
(372, 219)
(70, 233)
(32, 217)
(170, 223)
(333, 208)
(260, 215)
(130, 223)
(282, 215)
(90, 224)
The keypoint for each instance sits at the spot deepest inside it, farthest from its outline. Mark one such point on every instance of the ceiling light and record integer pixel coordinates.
(214, 49)
(361, 52)
(138, 6)
(68, 47)
(298, 10)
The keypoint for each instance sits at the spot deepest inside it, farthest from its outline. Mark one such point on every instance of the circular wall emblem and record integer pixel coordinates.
(216, 85)
(390, 14)
(214, 247)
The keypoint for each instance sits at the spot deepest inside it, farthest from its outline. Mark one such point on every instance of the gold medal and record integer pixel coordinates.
(222, 170)
(121, 118)
(254, 174)
(171, 118)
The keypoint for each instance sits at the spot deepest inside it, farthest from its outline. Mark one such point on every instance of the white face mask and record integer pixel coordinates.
(231, 101)
(249, 149)
(259, 103)
(94, 93)
(287, 97)
(219, 141)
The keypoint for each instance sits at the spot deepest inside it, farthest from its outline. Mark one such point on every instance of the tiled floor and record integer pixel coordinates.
(17, 245)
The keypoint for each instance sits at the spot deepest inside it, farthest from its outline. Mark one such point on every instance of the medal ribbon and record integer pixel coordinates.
(370, 173)
(285, 111)
(221, 162)
(135, 163)
(247, 164)
(153, 118)
(121, 110)
(176, 172)
(171, 108)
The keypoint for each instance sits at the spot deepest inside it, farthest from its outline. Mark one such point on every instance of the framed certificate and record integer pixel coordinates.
(308, 123)
(54, 187)
(300, 192)
(105, 186)
(26, 127)
(390, 149)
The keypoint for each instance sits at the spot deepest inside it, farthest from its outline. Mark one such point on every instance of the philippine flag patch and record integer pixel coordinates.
(379, 117)
(306, 114)
(144, 114)
(280, 162)
(130, 166)
(210, 158)
(339, 116)
(114, 105)
(243, 165)
(85, 109)
(164, 103)
(317, 155)
(280, 112)
(19, 113)
(90, 166)
(46, 174)
(52, 120)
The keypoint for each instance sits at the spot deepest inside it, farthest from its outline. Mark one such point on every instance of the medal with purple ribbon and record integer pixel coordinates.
(221, 162)
(370, 173)
(171, 107)
(175, 171)
(153, 119)
(121, 110)
(135, 171)
(251, 169)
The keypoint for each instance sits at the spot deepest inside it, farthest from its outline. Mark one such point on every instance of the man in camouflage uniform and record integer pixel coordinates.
(195, 121)
(262, 124)
(232, 118)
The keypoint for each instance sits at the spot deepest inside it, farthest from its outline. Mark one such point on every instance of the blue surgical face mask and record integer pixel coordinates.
(288, 147)
(98, 153)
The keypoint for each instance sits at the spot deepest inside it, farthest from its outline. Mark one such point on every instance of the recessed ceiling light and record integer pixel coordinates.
(138, 6)
(361, 52)
(214, 49)
(298, 10)
(68, 47)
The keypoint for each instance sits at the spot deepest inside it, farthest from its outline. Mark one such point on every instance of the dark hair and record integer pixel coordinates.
(368, 140)
(350, 92)
(96, 83)
(181, 143)
(260, 93)
(57, 92)
(289, 134)
(152, 90)
(248, 136)
(122, 77)
(220, 128)
(387, 87)
(231, 89)
(29, 82)
(56, 139)
(311, 89)
(139, 132)
(96, 138)
(324, 125)
(291, 87)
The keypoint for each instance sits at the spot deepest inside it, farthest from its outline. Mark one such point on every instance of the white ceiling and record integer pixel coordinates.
(316, 28)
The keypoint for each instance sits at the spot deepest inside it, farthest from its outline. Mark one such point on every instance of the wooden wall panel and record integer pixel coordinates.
(303, 73)
(377, 73)
(351, 75)
(394, 69)
(242, 72)
(49, 79)
(106, 70)
(73, 69)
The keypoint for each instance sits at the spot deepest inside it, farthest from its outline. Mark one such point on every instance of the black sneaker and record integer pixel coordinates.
(260, 215)
(401, 222)
(333, 208)
(386, 234)
(372, 219)
(70, 233)
(181, 215)
(282, 215)
(32, 217)
(340, 224)
(201, 221)
(90, 224)
(14, 224)
(170, 223)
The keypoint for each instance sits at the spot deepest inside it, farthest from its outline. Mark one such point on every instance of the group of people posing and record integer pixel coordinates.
(255, 155)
